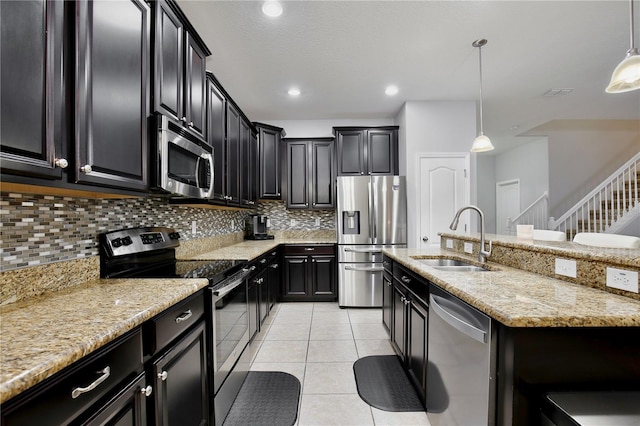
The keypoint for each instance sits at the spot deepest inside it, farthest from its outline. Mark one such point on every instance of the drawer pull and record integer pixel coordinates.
(309, 249)
(163, 376)
(274, 266)
(185, 316)
(105, 373)
(146, 391)
(263, 261)
(405, 279)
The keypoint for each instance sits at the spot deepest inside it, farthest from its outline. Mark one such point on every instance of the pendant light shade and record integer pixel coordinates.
(626, 76)
(482, 143)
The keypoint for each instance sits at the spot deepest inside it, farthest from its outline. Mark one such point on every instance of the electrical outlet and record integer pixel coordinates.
(449, 243)
(194, 227)
(566, 268)
(292, 222)
(317, 221)
(622, 279)
(233, 224)
(468, 247)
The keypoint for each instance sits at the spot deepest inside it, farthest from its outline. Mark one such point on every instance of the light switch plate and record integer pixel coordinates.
(566, 268)
(468, 247)
(449, 243)
(194, 227)
(622, 279)
(292, 222)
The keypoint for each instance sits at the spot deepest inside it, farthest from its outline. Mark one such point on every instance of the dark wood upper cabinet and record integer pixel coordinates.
(367, 151)
(269, 140)
(112, 93)
(180, 81)
(216, 136)
(233, 154)
(33, 89)
(310, 174)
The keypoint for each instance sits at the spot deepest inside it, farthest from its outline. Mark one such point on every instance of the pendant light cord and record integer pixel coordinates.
(480, 61)
(631, 24)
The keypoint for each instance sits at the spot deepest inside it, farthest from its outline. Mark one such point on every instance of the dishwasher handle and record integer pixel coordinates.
(456, 322)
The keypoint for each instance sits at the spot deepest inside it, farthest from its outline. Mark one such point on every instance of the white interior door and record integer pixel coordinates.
(507, 204)
(443, 188)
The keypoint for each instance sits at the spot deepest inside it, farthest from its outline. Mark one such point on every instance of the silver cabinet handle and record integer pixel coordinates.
(185, 316)
(146, 391)
(274, 266)
(163, 375)
(405, 279)
(62, 163)
(191, 124)
(309, 249)
(86, 168)
(183, 119)
(105, 373)
(263, 261)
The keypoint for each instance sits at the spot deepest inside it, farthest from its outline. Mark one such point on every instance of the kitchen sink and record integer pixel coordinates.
(452, 265)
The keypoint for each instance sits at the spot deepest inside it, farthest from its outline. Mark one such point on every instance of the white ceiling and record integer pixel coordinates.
(342, 54)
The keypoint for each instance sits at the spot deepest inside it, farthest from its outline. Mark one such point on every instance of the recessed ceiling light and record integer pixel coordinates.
(272, 9)
(294, 91)
(391, 90)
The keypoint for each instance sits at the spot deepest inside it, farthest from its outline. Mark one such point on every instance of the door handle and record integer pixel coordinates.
(372, 250)
(425, 239)
(372, 269)
(456, 322)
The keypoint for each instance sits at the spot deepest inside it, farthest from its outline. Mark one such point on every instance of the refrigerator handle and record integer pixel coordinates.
(372, 213)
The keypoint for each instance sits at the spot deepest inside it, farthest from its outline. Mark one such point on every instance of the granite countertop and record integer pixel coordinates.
(251, 249)
(518, 298)
(43, 335)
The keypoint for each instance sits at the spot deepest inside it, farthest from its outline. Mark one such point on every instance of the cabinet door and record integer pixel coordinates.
(295, 277)
(417, 345)
(263, 296)
(255, 169)
(111, 119)
(399, 322)
(322, 176)
(387, 299)
(382, 152)
(195, 86)
(216, 130)
(253, 297)
(269, 141)
(233, 155)
(32, 87)
(274, 283)
(168, 60)
(180, 377)
(297, 175)
(245, 163)
(128, 408)
(351, 146)
(323, 277)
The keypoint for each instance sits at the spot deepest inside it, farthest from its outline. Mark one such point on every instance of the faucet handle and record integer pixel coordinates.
(487, 252)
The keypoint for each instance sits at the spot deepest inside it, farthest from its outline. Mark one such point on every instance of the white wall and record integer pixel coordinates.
(486, 189)
(432, 126)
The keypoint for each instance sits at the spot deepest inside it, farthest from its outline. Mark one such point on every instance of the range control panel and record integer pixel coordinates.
(138, 240)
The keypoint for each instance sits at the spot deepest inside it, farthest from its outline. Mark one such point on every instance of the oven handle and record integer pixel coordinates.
(228, 288)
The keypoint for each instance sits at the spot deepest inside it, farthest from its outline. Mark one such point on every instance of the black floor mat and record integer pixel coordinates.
(266, 398)
(382, 383)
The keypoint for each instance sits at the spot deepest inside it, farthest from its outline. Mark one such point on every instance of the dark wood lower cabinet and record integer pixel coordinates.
(128, 408)
(309, 273)
(416, 349)
(387, 300)
(180, 382)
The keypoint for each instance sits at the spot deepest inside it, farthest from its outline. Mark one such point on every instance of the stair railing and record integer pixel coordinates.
(607, 203)
(537, 214)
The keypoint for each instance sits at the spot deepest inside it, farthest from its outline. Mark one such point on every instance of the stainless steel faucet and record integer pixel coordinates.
(483, 254)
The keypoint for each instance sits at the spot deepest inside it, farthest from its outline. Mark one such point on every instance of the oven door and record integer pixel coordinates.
(230, 328)
(185, 163)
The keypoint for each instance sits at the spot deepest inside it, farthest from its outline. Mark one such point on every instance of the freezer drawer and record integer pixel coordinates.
(360, 284)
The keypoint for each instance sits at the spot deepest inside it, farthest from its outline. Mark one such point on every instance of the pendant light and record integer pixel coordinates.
(481, 143)
(626, 76)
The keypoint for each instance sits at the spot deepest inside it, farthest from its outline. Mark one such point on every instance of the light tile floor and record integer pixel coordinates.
(318, 343)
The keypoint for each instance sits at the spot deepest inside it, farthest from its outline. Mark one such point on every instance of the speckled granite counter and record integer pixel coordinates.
(518, 298)
(251, 249)
(41, 336)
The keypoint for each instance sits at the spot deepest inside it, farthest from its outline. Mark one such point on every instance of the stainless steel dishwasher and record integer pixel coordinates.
(461, 368)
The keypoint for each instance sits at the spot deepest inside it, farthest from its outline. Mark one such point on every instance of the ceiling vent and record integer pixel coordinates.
(552, 93)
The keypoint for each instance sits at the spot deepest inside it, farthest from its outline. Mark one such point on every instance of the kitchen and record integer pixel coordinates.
(56, 226)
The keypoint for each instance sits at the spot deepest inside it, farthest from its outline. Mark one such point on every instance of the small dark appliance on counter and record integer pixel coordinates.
(255, 228)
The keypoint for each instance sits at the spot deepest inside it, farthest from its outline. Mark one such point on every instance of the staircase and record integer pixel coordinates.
(609, 207)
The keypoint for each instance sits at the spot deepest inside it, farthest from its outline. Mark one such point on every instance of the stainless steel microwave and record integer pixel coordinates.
(184, 163)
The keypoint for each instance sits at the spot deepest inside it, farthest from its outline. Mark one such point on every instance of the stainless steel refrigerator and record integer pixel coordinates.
(371, 215)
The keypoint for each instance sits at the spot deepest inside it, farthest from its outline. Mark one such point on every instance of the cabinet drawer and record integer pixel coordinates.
(418, 285)
(310, 249)
(387, 263)
(72, 391)
(162, 329)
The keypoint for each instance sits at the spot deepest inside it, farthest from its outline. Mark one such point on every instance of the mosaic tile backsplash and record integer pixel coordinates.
(41, 229)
